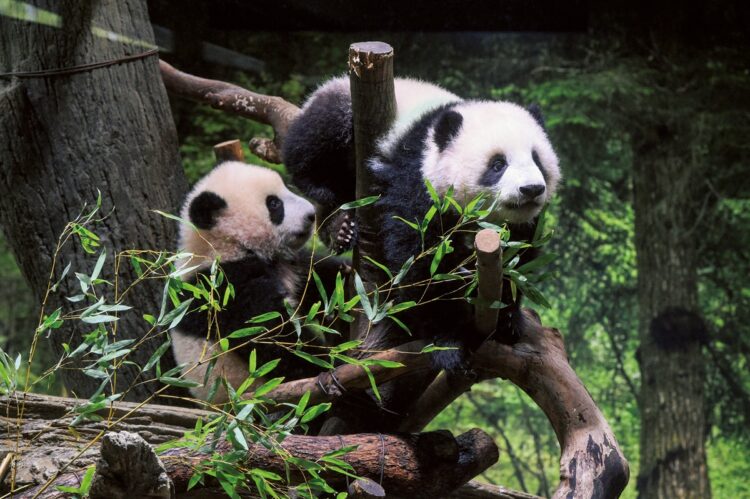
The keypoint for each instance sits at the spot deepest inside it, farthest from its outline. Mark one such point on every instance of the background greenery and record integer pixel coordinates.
(596, 93)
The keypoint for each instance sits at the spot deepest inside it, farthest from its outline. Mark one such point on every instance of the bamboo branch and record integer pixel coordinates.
(267, 109)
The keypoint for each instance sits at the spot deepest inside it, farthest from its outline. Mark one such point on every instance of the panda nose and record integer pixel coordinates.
(531, 191)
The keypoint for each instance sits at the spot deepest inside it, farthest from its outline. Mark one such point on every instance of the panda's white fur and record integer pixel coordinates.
(488, 129)
(317, 139)
(497, 149)
(241, 227)
(244, 224)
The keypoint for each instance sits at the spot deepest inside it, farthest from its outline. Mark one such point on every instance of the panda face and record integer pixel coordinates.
(240, 208)
(497, 148)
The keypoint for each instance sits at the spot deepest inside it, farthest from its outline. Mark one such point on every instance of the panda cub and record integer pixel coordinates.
(497, 149)
(245, 215)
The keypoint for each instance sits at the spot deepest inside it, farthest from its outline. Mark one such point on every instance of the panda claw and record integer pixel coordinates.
(341, 232)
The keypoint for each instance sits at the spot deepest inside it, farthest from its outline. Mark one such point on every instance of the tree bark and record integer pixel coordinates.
(63, 137)
(672, 403)
(417, 465)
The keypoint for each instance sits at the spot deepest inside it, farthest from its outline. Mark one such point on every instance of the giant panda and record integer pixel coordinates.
(245, 216)
(498, 149)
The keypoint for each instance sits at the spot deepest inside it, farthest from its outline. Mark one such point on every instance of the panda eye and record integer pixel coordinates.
(273, 203)
(498, 162)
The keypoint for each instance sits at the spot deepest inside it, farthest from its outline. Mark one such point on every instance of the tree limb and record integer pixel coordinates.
(350, 377)
(478, 490)
(267, 109)
(591, 462)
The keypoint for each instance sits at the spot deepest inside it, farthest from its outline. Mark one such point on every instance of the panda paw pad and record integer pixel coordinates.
(346, 237)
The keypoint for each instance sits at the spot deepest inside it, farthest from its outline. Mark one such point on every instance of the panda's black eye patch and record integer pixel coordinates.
(495, 169)
(275, 209)
(498, 162)
(204, 209)
(538, 164)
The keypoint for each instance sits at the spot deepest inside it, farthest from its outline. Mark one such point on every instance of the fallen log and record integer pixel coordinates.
(417, 465)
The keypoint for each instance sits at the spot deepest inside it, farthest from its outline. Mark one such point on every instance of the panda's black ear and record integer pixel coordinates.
(447, 127)
(536, 112)
(204, 209)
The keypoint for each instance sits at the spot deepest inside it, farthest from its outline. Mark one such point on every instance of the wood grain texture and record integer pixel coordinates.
(65, 138)
(418, 465)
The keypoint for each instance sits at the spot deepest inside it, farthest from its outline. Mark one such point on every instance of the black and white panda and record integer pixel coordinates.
(498, 149)
(245, 215)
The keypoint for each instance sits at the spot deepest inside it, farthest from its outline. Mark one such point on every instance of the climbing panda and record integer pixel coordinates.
(498, 149)
(246, 217)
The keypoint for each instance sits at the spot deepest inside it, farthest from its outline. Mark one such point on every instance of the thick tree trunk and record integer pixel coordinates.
(63, 137)
(673, 426)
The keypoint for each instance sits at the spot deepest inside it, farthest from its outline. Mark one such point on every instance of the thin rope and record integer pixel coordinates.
(382, 457)
(80, 68)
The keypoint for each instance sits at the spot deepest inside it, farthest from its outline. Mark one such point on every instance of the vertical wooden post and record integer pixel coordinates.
(373, 111)
(448, 387)
(490, 277)
(231, 150)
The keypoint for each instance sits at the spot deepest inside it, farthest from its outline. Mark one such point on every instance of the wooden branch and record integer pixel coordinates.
(591, 462)
(327, 387)
(478, 490)
(443, 390)
(423, 465)
(267, 109)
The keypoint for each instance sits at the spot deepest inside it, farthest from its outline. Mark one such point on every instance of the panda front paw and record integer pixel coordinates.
(341, 232)
(347, 236)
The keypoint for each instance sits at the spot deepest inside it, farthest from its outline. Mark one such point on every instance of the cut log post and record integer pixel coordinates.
(490, 281)
(447, 387)
(231, 150)
(373, 111)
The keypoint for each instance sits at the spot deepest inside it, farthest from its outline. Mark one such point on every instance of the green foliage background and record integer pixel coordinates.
(595, 94)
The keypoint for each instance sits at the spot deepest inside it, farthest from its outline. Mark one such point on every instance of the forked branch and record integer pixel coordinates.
(267, 109)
